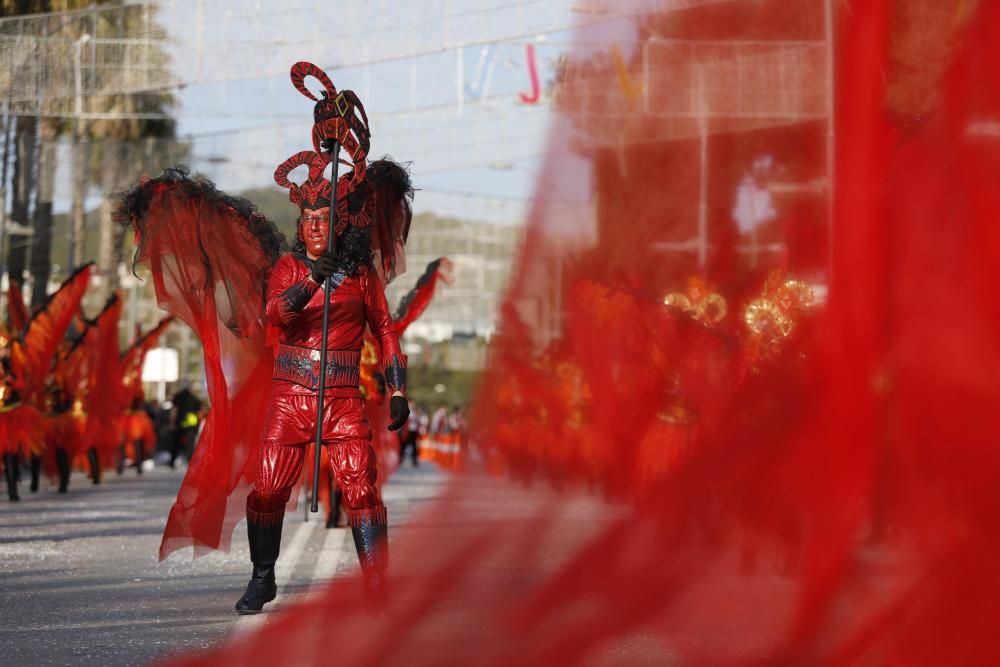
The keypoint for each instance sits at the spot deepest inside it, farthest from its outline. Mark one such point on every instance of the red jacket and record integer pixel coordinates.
(295, 307)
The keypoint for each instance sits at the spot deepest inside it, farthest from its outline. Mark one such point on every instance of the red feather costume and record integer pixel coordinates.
(67, 418)
(102, 436)
(27, 365)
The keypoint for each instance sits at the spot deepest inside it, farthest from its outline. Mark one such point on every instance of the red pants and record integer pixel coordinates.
(289, 429)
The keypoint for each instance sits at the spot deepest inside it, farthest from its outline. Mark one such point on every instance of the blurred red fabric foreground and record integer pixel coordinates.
(671, 485)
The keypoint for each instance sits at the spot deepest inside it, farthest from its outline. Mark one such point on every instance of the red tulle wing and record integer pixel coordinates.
(210, 255)
(46, 329)
(17, 312)
(73, 370)
(413, 305)
(102, 404)
(151, 338)
(133, 358)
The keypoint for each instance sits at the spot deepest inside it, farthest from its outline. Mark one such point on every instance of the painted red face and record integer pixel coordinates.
(313, 226)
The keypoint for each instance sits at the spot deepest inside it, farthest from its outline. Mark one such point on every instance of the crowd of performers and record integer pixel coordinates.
(70, 396)
(263, 312)
(67, 421)
(542, 416)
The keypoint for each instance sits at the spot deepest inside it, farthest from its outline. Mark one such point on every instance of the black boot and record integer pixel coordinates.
(95, 465)
(62, 465)
(121, 460)
(36, 472)
(371, 537)
(10, 464)
(264, 535)
(140, 455)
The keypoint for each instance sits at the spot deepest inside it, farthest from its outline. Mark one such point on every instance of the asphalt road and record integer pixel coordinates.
(80, 583)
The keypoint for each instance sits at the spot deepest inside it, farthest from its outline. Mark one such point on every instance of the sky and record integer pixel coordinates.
(440, 79)
(453, 111)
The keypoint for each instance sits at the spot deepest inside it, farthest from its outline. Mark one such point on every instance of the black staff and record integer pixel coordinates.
(331, 249)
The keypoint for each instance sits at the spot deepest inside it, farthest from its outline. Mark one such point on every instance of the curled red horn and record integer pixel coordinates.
(317, 163)
(301, 70)
(353, 98)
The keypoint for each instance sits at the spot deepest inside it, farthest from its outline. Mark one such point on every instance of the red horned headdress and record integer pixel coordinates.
(335, 117)
(372, 197)
(313, 193)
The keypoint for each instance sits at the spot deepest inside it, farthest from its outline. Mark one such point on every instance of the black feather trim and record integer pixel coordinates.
(133, 205)
(48, 300)
(386, 172)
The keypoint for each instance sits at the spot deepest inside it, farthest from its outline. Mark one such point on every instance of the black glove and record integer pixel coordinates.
(399, 412)
(323, 267)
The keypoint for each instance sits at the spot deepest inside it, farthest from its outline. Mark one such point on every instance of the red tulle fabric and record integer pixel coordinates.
(825, 488)
(415, 302)
(138, 426)
(219, 294)
(65, 430)
(131, 364)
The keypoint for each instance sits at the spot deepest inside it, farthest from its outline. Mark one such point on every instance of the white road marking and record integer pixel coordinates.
(337, 548)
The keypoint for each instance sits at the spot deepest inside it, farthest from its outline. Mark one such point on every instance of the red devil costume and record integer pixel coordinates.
(219, 266)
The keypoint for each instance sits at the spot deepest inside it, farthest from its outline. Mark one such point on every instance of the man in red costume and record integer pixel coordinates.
(220, 266)
(295, 307)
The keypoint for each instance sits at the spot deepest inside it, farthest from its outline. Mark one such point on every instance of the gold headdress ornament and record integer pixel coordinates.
(773, 318)
(699, 302)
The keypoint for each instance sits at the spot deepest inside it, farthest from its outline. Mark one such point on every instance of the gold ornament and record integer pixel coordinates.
(699, 302)
(773, 318)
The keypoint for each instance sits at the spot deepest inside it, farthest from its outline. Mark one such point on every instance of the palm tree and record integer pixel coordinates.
(24, 184)
(111, 151)
(122, 149)
(35, 152)
(41, 239)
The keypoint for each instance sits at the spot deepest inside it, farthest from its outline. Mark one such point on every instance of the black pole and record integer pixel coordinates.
(331, 247)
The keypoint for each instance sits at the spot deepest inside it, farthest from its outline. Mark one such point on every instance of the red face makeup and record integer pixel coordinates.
(313, 226)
